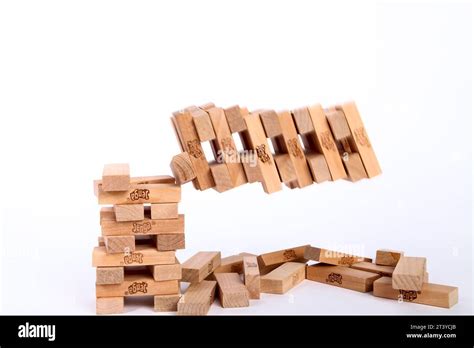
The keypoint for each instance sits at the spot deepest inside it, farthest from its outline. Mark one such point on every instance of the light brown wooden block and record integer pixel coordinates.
(116, 177)
(303, 121)
(354, 167)
(372, 267)
(100, 241)
(109, 305)
(138, 284)
(232, 292)
(251, 276)
(170, 241)
(129, 212)
(187, 134)
(109, 275)
(207, 106)
(232, 264)
(142, 193)
(156, 179)
(220, 173)
(142, 256)
(431, 294)
(119, 244)
(344, 277)
(409, 273)
(203, 125)
(235, 119)
(285, 168)
(199, 266)
(386, 257)
(182, 168)
(161, 211)
(337, 122)
(198, 298)
(318, 167)
(166, 272)
(285, 255)
(283, 278)
(252, 173)
(271, 123)
(361, 139)
(333, 257)
(166, 303)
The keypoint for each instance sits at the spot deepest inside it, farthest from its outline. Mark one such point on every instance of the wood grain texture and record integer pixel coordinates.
(166, 303)
(221, 174)
(252, 173)
(354, 167)
(332, 257)
(129, 212)
(385, 257)
(156, 179)
(372, 267)
(170, 241)
(197, 300)
(337, 122)
(232, 291)
(283, 278)
(166, 272)
(271, 123)
(318, 167)
(109, 275)
(119, 244)
(235, 119)
(285, 168)
(109, 305)
(409, 273)
(182, 168)
(142, 193)
(203, 125)
(200, 265)
(232, 264)
(281, 256)
(431, 294)
(160, 211)
(303, 121)
(116, 177)
(251, 276)
(142, 256)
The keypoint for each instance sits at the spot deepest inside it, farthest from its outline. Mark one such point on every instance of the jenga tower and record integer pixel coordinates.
(141, 230)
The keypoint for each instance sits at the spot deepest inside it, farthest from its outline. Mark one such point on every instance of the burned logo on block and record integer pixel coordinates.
(347, 260)
(137, 287)
(326, 141)
(194, 148)
(262, 154)
(408, 295)
(133, 258)
(289, 254)
(137, 194)
(144, 227)
(361, 137)
(294, 149)
(334, 278)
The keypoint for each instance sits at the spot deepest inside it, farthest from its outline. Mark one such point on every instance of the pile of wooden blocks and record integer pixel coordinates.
(141, 230)
(334, 145)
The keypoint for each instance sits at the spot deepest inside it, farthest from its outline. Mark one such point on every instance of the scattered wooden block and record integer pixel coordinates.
(129, 212)
(318, 167)
(116, 177)
(372, 267)
(119, 244)
(409, 273)
(182, 168)
(271, 123)
(283, 278)
(143, 255)
(166, 272)
(142, 193)
(333, 257)
(160, 211)
(431, 294)
(354, 167)
(232, 264)
(220, 173)
(337, 122)
(285, 168)
(280, 256)
(109, 275)
(203, 125)
(251, 276)
(386, 257)
(198, 298)
(199, 266)
(343, 277)
(166, 303)
(109, 305)
(170, 241)
(235, 119)
(232, 292)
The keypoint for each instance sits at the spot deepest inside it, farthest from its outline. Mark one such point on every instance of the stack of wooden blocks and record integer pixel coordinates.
(141, 230)
(309, 144)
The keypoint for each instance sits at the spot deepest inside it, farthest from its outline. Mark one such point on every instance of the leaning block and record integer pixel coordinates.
(333, 257)
(166, 303)
(235, 119)
(372, 267)
(109, 305)
(232, 264)
(318, 167)
(198, 298)
(252, 276)
(116, 177)
(354, 166)
(109, 275)
(409, 273)
(283, 278)
(182, 168)
(221, 174)
(232, 292)
(199, 266)
(281, 256)
(119, 244)
(203, 125)
(337, 121)
(161, 211)
(386, 257)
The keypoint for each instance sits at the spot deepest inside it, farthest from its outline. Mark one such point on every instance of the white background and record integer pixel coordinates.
(83, 83)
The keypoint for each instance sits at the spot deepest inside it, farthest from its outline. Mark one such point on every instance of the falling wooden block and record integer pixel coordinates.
(409, 273)
(156, 179)
(235, 119)
(252, 172)
(343, 277)
(232, 292)
(203, 125)
(232, 264)
(372, 267)
(116, 177)
(161, 211)
(220, 173)
(318, 167)
(109, 275)
(337, 122)
(333, 257)
(119, 244)
(283, 278)
(354, 166)
(109, 305)
(303, 121)
(142, 193)
(166, 303)
(166, 272)
(170, 241)
(198, 298)
(431, 294)
(143, 255)
(251, 276)
(281, 256)
(386, 257)
(199, 266)
(271, 123)
(182, 168)
(129, 212)
(285, 168)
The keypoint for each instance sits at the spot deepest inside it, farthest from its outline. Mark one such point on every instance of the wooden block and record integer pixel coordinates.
(285, 255)
(409, 273)
(199, 266)
(109, 305)
(337, 122)
(303, 121)
(372, 267)
(207, 106)
(283, 278)
(187, 134)
(220, 173)
(318, 167)
(129, 212)
(285, 168)
(119, 244)
(333, 257)
(426, 278)
(142, 193)
(354, 167)
(166, 303)
(182, 168)
(203, 125)
(271, 123)
(252, 173)
(386, 257)
(100, 241)
(344, 277)
(235, 119)
(431, 294)
(161, 211)
(251, 276)
(361, 139)
(116, 177)
(157, 179)
(138, 284)
(198, 298)
(232, 292)
(142, 256)
(166, 272)
(170, 241)
(109, 275)
(232, 264)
